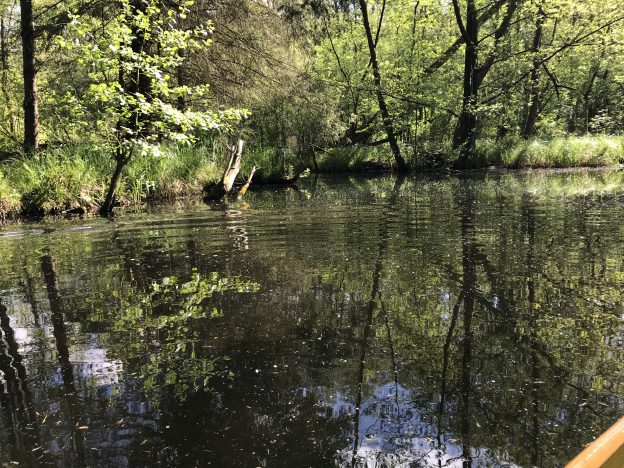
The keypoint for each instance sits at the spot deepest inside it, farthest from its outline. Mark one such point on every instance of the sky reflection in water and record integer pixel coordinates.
(351, 322)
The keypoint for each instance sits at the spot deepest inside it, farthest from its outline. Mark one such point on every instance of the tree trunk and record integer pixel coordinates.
(533, 94)
(181, 101)
(588, 92)
(221, 190)
(383, 108)
(469, 280)
(4, 80)
(244, 188)
(58, 321)
(17, 398)
(31, 110)
(138, 82)
(371, 308)
(133, 83)
(109, 202)
(465, 133)
(234, 167)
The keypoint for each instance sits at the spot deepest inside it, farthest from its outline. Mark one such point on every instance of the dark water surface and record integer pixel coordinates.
(366, 322)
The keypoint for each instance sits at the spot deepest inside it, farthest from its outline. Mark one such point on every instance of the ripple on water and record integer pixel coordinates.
(344, 323)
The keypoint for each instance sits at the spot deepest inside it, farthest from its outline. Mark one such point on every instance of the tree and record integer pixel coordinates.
(137, 105)
(533, 91)
(6, 93)
(383, 107)
(465, 136)
(31, 103)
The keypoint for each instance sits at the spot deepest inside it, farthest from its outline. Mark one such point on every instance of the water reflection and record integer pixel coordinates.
(360, 322)
(15, 396)
(71, 405)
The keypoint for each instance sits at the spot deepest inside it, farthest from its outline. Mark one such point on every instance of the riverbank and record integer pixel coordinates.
(506, 153)
(557, 153)
(74, 179)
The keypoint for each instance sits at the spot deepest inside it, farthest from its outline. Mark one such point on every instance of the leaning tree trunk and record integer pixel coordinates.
(464, 138)
(31, 110)
(383, 107)
(109, 202)
(244, 188)
(133, 83)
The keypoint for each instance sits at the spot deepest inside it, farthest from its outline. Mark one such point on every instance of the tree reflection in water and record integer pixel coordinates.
(362, 322)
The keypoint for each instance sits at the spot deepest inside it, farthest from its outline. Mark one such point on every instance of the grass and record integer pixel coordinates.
(511, 153)
(572, 151)
(9, 199)
(77, 177)
(270, 162)
(353, 159)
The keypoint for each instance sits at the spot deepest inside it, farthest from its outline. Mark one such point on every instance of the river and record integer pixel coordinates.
(369, 322)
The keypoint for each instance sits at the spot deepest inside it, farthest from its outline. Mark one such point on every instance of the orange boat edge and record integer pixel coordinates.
(607, 451)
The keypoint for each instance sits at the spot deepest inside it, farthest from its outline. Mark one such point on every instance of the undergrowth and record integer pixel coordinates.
(77, 177)
(572, 151)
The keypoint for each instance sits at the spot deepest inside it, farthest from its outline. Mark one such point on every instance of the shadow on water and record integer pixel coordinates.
(355, 322)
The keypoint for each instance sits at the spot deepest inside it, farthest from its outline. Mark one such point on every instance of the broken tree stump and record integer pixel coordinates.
(234, 167)
(221, 190)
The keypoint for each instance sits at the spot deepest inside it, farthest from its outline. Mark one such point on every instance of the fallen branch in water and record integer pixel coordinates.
(244, 188)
